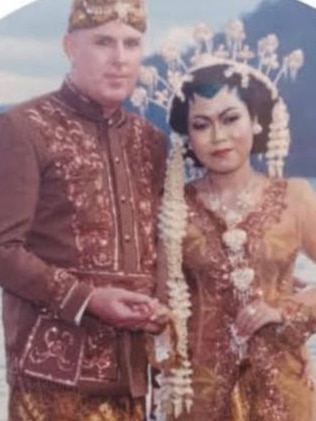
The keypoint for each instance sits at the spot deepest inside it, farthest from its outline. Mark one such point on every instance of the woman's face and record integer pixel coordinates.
(221, 131)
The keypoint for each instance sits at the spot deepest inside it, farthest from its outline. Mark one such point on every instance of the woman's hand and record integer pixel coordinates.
(254, 316)
(159, 318)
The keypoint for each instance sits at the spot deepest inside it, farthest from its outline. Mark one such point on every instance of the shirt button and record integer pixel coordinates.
(110, 122)
(123, 199)
(127, 238)
(117, 159)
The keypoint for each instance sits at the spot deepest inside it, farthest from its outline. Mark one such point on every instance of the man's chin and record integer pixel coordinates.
(116, 97)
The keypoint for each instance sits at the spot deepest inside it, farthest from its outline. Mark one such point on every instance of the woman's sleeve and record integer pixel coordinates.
(307, 218)
(299, 310)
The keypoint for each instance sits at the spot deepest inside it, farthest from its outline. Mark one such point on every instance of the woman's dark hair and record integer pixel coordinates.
(207, 81)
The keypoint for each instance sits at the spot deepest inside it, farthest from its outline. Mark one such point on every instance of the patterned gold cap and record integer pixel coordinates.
(90, 13)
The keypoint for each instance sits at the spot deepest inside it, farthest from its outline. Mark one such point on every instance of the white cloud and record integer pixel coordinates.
(309, 2)
(15, 88)
(21, 49)
(179, 36)
(10, 6)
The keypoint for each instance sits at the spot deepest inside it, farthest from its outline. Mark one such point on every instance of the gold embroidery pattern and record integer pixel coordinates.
(268, 213)
(57, 343)
(101, 353)
(142, 167)
(78, 163)
(34, 401)
(61, 284)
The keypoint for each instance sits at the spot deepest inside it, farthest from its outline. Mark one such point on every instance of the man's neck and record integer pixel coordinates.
(108, 108)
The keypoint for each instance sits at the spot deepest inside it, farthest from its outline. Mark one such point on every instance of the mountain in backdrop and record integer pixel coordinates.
(295, 25)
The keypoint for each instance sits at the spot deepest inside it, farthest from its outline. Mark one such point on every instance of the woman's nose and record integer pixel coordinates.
(219, 133)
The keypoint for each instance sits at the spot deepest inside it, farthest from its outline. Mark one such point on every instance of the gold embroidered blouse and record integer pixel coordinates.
(273, 381)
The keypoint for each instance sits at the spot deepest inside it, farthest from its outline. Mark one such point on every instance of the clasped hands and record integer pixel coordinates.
(130, 310)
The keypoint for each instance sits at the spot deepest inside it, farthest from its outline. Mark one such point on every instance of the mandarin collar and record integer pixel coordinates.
(86, 107)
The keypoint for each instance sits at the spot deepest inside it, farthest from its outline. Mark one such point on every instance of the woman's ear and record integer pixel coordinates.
(256, 126)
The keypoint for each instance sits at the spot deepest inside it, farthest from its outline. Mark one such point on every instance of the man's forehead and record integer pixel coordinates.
(115, 28)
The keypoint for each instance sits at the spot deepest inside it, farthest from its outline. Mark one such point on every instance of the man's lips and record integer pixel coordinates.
(116, 77)
(221, 153)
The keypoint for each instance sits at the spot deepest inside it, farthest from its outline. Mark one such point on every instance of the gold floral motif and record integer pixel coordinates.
(141, 161)
(78, 163)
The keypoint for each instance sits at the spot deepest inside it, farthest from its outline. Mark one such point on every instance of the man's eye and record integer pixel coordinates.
(103, 42)
(132, 43)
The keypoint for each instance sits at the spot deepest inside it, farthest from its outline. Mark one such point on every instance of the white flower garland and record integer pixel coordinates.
(176, 392)
(235, 238)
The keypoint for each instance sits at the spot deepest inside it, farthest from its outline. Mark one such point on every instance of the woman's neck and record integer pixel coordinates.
(233, 181)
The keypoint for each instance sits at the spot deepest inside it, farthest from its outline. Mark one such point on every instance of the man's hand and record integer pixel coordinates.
(121, 308)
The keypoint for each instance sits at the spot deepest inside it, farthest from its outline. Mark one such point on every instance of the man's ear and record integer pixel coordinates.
(68, 46)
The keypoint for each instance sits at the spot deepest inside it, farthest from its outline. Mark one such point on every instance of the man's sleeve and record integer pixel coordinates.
(22, 272)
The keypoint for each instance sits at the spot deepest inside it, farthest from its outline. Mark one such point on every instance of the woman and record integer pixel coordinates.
(244, 230)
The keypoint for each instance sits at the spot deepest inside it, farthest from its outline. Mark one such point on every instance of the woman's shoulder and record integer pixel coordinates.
(292, 186)
(298, 186)
(300, 194)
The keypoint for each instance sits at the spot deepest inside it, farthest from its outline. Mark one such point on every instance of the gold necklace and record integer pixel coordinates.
(241, 275)
(244, 202)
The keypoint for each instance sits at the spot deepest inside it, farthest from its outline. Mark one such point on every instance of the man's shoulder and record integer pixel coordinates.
(19, 110)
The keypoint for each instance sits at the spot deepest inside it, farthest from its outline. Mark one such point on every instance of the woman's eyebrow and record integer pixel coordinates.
(221, 114)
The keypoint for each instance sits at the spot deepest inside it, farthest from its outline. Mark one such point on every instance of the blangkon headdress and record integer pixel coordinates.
(87, 14)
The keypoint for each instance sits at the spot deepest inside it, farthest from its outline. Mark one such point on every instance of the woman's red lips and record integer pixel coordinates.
(221, 152)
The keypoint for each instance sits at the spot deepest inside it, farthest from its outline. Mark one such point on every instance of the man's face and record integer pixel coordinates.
(105, 61)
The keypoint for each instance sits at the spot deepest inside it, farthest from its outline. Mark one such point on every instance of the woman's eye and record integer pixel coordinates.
(199, 125)
(231, 118)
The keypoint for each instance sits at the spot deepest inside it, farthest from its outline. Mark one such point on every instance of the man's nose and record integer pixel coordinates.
(119, 54)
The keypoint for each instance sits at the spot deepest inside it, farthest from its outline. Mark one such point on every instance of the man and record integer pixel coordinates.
(79, 181)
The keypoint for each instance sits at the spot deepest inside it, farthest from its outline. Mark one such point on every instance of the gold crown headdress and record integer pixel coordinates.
(176, 391)
(264, 65)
